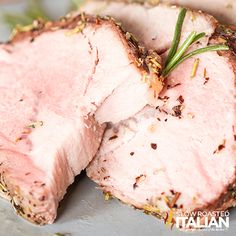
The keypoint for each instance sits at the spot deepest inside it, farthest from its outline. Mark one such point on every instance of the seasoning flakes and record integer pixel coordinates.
(107, 196)
(175, 199)
(205, 76)
(169, 86)
(180, 99)
(152, 128)
(206, 80)
(178, 110)
(113, 137)
(191, 115)
(154, 146)
(138, 180)
(220, 147)
(195, 67)
(35, 124)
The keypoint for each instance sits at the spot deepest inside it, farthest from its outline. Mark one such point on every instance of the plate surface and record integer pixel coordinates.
(84, 212)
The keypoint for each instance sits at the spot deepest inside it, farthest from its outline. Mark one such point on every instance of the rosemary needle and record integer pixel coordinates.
(199, 36)
(175, 55)
(180, 52)
(196, 52)
(177, 34)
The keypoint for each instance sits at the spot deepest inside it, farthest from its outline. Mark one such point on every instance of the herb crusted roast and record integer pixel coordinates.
(180, 155)
(53, 78)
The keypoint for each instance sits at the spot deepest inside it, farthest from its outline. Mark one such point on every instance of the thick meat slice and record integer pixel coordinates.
(184, 149)
(52, 80)
(180, 155)
(153, 26)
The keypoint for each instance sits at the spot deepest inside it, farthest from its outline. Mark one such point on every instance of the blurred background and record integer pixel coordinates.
(22, 12)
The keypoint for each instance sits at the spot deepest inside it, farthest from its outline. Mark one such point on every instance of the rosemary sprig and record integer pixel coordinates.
(198, 51)
(176, 56)
(180, 52)
(177, 34)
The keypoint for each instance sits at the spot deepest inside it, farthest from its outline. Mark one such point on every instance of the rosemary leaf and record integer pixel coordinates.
(176, 56)
(177, 34)
(195, 67)
(199, 36)
(190, 39)
(196, 52)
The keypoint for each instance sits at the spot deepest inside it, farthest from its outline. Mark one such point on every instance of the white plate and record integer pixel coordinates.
(84, 212)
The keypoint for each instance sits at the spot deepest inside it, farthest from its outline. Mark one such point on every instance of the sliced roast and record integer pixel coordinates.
(53, 78)
(179, 155)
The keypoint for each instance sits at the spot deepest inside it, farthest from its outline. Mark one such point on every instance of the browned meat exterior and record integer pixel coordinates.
(180, 155)
(53, 78)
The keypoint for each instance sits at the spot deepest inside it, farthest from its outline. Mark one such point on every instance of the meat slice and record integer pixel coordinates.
(153, 31)
(180, 155)
(53, 77)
